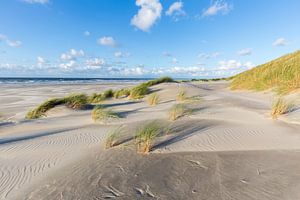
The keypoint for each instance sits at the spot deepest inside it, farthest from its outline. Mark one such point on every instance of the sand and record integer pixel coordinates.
(228, 148)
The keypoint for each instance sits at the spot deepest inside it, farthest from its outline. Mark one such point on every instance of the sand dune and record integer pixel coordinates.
(233, 149)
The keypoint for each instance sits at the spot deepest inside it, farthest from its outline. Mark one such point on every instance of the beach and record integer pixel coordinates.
(229, 147)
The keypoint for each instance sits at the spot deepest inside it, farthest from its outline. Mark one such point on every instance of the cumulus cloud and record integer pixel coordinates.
(148, 14)
(13, 43)
(245, 52)
(280, 42)
(68, 65)
(36, 1)
(95, 63)
(72, 54)
(176, 10)
(120, 54)
(107, 41)
(218, 7)
(87, 33)
(234, 65)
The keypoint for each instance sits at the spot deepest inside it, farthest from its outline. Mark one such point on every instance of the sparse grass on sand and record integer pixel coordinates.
(102, 114)
(41, 110)
(112, 138)
(181, 96)
(145, 137)
(96, 98)
(177, 111)
(280, 107)
(282, 74)
(153, 99)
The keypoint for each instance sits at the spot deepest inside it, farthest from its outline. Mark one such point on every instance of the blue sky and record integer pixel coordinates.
(144, 38)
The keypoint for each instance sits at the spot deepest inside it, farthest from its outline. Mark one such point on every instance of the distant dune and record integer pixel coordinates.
(282, 74)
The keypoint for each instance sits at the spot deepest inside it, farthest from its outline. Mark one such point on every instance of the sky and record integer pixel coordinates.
(144, 38)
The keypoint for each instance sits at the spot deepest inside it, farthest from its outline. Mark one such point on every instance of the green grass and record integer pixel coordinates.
(112, 138)
(145, 137)
(280, 107)
(177, 111)
(102, 114)
(96, 98)
(75, 101)
(121, 93)
(282, 74)
(153, 99)
(141, 90)
(108, 93)
(181, 96)
(41, 110)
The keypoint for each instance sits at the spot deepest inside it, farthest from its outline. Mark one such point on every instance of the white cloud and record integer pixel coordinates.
(120, 54)
(41, 60)
(245, 52)
(72, 54)
(13, 43)
(280, 42)
(37, 1)
(147, 15)
(67, 66)
(95, 63)
(234, 65)
(87, 33)
(218, 7)
(107, 41)
(175, 61)
(205, 56)
(176, 10)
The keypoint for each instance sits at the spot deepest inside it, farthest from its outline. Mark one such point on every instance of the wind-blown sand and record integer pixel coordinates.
(229, 148)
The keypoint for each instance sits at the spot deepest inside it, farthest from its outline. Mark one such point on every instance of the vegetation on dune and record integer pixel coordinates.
(181, 96)
(153, 99)
(43, 108)
(112, 138)
(75, 101)
(177, 111)
(108, 93)
(280, 107)
(282, 73)
(141, 90)
(145, 137)
(121, 93)
(99, 113)
(96, 98)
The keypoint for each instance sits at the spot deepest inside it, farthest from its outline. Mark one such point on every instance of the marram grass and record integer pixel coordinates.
(112, 138)
(181, 96)
(145, 137)
(102, 114)
(177, 111)
(153, 99)
(41, 110)
(75, 101)
(280, 107)
(282, 74)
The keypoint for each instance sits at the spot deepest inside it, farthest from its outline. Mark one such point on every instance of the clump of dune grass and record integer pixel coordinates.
(153, 99)
(181, 96)
(283, 74)
(108, 93)
(41, 110)
(145, 137)
(177, 111)
(280, 107)
(139, 91)
(75, 101)
(99, 113)
(122, 93)
(112, 138)
(96, 98)
(160, 80)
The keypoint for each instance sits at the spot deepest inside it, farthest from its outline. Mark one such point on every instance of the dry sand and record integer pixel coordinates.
(229, 148)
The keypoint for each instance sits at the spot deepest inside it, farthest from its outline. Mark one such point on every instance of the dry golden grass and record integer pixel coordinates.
(282, 74)
(177, 111)
(181, 96)
(280, 107)
(101, 114)
(145, 137)
(153, 99)
(112, 138)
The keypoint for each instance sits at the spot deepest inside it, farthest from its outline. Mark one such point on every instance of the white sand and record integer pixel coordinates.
(223, 120)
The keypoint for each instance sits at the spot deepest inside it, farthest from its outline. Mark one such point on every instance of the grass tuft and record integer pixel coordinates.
(122, 93)
(145, 137)
(101, 114)
(181, 96)
(280, 107)
(41, 110)
(153, 99)
(112, 138)
(139, 91)
(177, 111)
(75, 101)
